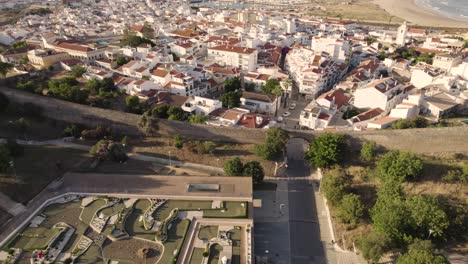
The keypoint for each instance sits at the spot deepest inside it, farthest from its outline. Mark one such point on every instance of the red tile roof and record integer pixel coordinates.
(336, 96)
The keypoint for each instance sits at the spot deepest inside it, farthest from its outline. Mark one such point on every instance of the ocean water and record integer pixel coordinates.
(454, 9)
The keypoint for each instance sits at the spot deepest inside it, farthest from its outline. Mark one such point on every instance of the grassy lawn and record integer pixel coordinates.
(37, 167)
(176, 236)
(197, 256)
(92, 255)
(34, 238)
(215, 251)
(90, 210)
(109, 211)
(133, 226)
(236, 237)
(208, 232)
(163, 212)
(232, 210)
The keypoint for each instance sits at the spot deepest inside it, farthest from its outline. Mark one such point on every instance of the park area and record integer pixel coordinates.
(114, 229)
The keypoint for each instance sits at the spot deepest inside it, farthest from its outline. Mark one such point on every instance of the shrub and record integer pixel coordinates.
(400, 165)
(427, 214)
(72, 131)
(350, 209)
(421, 251)
(368, 151)
(178, 141)
(206, 147)
(418, 122)
(326, 150)
(334, 186)
(233, 167)
(97, 133)
(198, 119)
(372, 246)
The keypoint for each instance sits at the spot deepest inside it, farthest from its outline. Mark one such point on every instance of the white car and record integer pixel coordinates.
(286, 114)
(292, 106)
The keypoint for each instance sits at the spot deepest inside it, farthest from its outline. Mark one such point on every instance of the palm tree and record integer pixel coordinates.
(277, 91)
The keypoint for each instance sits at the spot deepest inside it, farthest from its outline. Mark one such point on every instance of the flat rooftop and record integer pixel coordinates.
(173, 187)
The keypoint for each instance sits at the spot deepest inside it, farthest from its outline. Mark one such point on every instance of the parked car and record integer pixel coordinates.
(292, 106)
(286, 114)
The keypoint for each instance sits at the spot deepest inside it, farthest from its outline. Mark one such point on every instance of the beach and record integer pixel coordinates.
(418, 15)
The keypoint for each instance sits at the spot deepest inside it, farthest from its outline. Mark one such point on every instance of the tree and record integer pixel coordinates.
(176, 113)
(231, 99)
(121, 61)
(255, 170)
(326, 150)
(198, 119)
(400, 165)
(147, 31)
(23, 60)
(389, 214)
(417, 122)
(427, 216)
(250, 86)
(21, 125)
(178, 141)
(350, 209)
(15, 149)
(4, 102)
(232, 85)
(274, 144)
(5, 68)
(368, 151)
(421, 252)
(334, 185)
(372, 246)
(5, 158)
(109, 150)
(132, 104)
(78, 71)
(160, 111)
(271, 86)
(233, 167)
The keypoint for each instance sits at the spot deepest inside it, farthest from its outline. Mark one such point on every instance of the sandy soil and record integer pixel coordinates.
(418, 15)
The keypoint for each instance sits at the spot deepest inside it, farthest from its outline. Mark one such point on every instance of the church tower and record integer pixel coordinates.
(401, 34)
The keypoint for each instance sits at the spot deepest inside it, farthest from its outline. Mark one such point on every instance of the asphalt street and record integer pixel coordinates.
(286, 227)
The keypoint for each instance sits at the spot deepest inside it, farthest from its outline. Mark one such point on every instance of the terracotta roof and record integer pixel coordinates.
(336, 96)
(253, 121)
(75, 47)
(170, 99)
(140, 82)
(267, 98)
(233, 49)
(372, 113)
(71, 62)
(137, 28)
(160, 73)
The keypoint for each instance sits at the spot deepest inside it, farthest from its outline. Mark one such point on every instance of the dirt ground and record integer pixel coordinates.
(161, 147)
(126, 250)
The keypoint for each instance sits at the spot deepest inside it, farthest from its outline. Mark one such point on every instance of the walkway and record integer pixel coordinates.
(11, 206)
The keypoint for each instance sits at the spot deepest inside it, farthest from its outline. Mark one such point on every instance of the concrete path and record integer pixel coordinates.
(12, 207)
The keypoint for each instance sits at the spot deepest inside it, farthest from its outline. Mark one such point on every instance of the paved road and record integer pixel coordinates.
(306, 244)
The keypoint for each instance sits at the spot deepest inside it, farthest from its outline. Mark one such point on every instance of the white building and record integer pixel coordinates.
(201, 106)
(259, 102)
(244, 58)
(384, 94)
(447, 61)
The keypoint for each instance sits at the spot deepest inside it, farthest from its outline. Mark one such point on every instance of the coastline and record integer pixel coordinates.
(418, 15)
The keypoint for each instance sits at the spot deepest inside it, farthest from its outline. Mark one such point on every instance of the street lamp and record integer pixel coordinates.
(170, 162)
(12, 165)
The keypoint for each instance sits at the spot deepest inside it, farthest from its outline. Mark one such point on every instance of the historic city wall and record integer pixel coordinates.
(428, 140)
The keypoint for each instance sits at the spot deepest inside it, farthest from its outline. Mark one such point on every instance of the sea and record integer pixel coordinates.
(454, 9)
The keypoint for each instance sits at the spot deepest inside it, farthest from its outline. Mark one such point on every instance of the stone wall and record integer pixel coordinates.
(429, 140)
